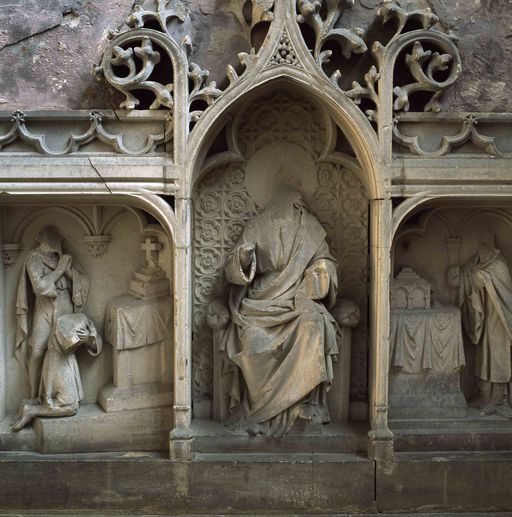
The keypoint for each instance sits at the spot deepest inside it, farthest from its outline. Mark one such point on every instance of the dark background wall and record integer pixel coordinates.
(48, 48)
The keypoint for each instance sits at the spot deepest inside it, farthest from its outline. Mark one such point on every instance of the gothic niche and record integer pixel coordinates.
(451, 331)
(88, 337)
(281, 156)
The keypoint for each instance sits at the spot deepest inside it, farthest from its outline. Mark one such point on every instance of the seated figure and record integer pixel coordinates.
(60, 389)
(277, 338)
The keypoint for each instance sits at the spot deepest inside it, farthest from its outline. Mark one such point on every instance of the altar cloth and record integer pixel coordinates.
(426, 339)
(133, 323)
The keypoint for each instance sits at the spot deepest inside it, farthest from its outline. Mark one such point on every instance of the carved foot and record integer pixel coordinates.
(21, 422)
(503, 410)
(481, 400)
(27, 411)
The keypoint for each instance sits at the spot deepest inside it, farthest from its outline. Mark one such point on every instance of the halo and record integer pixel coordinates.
(276, 165)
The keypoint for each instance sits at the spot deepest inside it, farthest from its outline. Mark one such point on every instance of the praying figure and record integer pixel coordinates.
(52, 284)
(485, 298)
(60, 389)
(276, 335)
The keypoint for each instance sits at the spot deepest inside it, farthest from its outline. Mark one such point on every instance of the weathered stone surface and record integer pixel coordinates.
(93, 430)
(465, 482)
(47, 52)
(148, 483)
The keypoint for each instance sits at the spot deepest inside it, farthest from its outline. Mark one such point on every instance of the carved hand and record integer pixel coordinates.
(246, 255)
(64, 264)
(453, 277)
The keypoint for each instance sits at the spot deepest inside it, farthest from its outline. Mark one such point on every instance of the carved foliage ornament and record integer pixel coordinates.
(134, 61)
(423, 64)
(133, 58)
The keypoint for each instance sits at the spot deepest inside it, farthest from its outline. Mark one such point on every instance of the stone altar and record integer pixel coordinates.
(138, 327)
(426, 353)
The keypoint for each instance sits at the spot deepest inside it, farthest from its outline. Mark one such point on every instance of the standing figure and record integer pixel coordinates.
(51, 284)
(60, 391)
(485, 298)
(277, 336)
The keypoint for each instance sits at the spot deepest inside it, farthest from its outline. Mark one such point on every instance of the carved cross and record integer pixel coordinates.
(151, 247)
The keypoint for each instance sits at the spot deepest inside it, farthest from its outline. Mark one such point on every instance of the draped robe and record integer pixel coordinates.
(281, 339)
(486, 305)
(60, 377)
(46, 300)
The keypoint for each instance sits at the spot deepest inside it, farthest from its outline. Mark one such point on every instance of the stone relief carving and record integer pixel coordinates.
(485, 297)
(424, 335)
(96, 130)
(10, 254)
(58, 309)
(97, 244)
(138, 327)
(409, 291)
(426, 352)
(469, 132)
(95, 225)
(60, 390)
(467, 325)
(285, 54)
(52, 284)
(424, 65)
(276, 337)
(227, 198)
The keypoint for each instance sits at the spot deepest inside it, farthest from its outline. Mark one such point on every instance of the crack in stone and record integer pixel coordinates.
(31, 36)
(99, 175)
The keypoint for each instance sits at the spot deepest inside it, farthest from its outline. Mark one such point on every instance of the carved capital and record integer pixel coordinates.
(10, 254)
(97, 245)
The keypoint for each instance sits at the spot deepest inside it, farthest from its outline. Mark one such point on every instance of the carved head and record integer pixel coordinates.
(486, 248)
(486, 236)
(50, 240)
(285, 199)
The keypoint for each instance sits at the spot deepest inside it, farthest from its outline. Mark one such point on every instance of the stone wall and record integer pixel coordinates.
(48, 49)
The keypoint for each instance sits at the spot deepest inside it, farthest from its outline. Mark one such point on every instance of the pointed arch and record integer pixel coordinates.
(344, 112)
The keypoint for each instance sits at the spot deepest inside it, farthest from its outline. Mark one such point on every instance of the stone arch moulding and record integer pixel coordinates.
(281, 115)
(345, 114)
(360, 134)
(136, 204)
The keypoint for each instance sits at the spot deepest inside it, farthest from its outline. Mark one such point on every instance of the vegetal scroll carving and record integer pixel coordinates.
(322, 17)
(132, 59)
(433, 71)
(138, 79)
(358, 92)
(202, 89)
(393, 10)
(423, 65)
